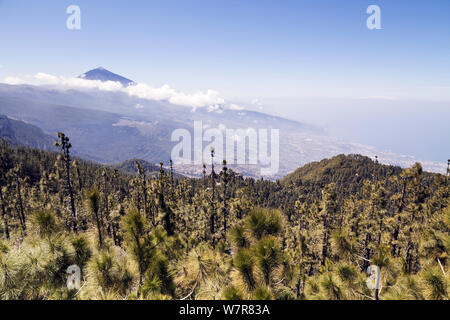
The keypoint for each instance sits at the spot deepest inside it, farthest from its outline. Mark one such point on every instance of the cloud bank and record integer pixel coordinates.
(140, 90)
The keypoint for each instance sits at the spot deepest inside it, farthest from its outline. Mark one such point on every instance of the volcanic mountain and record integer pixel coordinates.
(102, 74)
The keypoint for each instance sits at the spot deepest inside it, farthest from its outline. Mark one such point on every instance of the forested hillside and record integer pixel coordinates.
(21, 133)
(136, 234)
(132, 167)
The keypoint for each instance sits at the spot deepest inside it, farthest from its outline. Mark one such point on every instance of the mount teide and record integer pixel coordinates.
(102, 74)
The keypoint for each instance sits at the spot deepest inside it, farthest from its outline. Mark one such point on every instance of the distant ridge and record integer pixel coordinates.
(352, 168)
(19, 133)
(102, 74)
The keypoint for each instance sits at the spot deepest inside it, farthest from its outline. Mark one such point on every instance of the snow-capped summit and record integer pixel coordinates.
(102, 74)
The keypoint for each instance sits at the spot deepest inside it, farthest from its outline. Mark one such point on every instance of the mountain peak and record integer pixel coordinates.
(102, 74)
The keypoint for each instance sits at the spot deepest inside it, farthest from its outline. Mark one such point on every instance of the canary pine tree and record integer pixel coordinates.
(148, 235)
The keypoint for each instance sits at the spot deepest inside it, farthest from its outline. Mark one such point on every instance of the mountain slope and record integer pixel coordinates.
(93, 132)
(108, 127)
(21, 133)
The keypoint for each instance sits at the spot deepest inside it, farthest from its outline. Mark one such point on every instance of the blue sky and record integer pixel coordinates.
(309, 60)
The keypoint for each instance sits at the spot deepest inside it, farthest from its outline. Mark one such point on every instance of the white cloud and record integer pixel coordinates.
(140, 90)
(144, 91)
(215, 108)
(13, 80)
(235, 107)
(63, 82)
(47, 78)
(198, 99)
(256, 102)
(89, 84)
